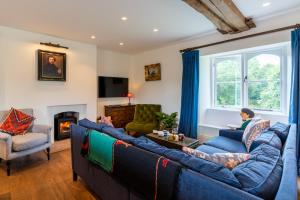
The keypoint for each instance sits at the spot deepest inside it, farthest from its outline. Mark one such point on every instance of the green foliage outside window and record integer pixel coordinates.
(263, 84)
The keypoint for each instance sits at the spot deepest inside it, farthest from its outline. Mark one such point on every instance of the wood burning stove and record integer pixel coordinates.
(62, 123)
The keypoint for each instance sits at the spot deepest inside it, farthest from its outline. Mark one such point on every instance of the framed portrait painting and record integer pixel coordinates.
(51, 66)
(153, 72)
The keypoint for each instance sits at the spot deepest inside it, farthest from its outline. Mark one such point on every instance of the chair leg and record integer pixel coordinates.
(48, 153)
(0, 160)
(75, 176)
(8, 164)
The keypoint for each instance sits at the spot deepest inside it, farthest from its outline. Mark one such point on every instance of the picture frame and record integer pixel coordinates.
(51, 66)
(153, 72)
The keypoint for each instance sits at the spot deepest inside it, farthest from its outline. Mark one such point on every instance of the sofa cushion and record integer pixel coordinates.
(101, 127)
(227, 144)
(208, 168)
(106, 120)
(16, 122)
(229, 160)
(28, 141)
(140, 127)
(282, 130)
(267, 137)
(261, 174)
(253, 130)
(210, 149)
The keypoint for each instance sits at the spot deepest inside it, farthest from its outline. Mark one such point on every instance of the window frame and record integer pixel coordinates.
(245, 55)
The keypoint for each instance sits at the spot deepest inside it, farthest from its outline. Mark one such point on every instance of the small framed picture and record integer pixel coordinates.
(153, 72)
(51, 66)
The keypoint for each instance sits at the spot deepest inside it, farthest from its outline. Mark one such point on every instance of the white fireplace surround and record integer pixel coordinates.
(55, 109)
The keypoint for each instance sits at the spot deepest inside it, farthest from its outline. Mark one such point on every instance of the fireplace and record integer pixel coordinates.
(62, 123)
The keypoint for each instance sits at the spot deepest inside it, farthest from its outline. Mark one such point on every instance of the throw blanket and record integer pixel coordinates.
(150, 174)
(98, 148)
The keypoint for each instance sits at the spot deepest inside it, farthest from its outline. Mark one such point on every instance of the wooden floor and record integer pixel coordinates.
(34, 177)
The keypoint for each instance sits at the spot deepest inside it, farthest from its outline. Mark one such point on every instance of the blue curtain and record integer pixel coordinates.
(294, 115)
(189, 94)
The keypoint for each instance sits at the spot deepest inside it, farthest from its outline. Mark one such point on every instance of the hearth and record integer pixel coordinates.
(62, 123)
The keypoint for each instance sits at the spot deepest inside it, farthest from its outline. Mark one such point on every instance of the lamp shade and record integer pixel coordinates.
(129, 95)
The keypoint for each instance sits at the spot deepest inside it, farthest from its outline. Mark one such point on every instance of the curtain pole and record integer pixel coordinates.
(242, 37)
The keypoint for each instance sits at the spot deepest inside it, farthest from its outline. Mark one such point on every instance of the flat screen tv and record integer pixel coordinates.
(112, 87)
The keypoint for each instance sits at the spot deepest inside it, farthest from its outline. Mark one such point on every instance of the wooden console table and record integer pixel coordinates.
(120, 114)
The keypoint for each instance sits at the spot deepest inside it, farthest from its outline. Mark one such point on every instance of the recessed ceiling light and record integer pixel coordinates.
(121, 44)
(155, 30)
(266, 4)
(124, 18)
(93, 37)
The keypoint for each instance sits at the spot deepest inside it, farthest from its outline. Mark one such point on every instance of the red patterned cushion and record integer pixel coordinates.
(16, 122)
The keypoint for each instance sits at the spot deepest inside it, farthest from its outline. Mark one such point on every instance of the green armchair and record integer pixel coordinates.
(144, 120)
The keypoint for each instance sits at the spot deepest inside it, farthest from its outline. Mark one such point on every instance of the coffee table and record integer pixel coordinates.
(187, 142)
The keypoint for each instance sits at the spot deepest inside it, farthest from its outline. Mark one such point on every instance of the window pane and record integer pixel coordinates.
(228, 69)
(264, 67)
(264, 86)
(264, 95)
(228, 81)
(228, 94)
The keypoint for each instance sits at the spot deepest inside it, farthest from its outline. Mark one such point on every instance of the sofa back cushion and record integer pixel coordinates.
(205, 167)
(253, 130)
(101, 127)
(281, 129)
(261, 174)
(267, 137)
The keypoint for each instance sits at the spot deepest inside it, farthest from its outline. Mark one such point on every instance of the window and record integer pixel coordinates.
(250, 79)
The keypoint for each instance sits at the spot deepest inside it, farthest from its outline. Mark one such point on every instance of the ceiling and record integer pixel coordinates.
(80, 19)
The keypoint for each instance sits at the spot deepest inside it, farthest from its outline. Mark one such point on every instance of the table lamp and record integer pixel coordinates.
(129, 95)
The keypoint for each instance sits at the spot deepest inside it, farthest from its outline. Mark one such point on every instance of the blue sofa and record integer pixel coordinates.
(200, 179)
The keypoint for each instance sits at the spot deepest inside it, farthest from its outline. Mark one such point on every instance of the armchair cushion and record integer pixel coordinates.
(28, 141)
(45, 129)
(141, 127)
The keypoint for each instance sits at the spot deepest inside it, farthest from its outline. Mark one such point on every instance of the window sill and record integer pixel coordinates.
(256, 111)
(211, 126)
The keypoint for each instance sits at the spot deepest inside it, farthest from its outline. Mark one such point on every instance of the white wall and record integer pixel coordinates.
(20, 88)
(167, 92)
(113, 64)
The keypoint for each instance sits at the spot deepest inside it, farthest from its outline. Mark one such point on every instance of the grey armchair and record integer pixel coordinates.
(37, 139)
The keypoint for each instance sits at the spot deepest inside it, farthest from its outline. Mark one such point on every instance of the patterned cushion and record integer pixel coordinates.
(106, 120)
(229, 160)
(16, 122)
(253, 130)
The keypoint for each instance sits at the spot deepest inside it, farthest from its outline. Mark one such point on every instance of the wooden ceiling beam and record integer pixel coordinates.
(223, 14)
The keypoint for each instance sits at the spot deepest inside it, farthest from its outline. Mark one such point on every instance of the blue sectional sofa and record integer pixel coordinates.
(270, 173)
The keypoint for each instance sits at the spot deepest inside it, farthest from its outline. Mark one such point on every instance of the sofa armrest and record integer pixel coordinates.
(38, 128)
(5, 145)
(232, 134)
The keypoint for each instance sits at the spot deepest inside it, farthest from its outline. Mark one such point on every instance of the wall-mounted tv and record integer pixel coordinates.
(112, 87)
